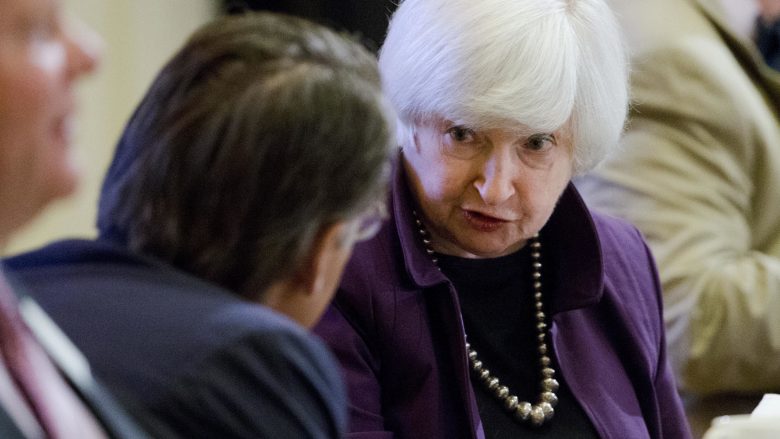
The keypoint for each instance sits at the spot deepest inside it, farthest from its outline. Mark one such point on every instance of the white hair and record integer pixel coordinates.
(489, 63)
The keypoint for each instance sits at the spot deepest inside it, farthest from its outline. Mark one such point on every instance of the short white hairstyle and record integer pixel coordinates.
(489, 63)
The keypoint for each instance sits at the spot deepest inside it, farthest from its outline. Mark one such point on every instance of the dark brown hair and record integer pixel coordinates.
(261, 130)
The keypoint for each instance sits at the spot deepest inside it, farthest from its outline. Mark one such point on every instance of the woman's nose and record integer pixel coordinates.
(496, 181)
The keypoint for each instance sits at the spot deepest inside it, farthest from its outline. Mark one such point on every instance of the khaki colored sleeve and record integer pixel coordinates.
(691, 176)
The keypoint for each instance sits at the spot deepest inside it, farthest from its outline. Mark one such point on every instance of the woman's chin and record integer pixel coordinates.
(484, 248)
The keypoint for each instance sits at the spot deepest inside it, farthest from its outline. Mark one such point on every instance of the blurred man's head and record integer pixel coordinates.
(253, 158)
(40, 60)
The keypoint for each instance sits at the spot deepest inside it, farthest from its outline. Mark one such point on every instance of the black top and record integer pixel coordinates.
(498, 311)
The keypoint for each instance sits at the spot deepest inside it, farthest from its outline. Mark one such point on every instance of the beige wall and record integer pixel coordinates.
(140, 35)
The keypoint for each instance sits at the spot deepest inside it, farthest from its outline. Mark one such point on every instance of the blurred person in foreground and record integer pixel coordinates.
(494, 303)
(253, 164)
(699, 174)
(46, 389)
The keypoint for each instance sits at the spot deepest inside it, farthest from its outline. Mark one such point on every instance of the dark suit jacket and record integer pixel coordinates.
(195, 358)
(8, 428)
(75, 371)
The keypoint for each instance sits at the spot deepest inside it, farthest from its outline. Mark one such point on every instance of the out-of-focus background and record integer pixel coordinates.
(139, 37)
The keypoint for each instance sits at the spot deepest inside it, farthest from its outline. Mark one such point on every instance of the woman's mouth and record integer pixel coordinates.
(482, 222)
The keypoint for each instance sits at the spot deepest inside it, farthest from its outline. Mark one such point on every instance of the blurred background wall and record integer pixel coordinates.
(367, 19)
(139, 37)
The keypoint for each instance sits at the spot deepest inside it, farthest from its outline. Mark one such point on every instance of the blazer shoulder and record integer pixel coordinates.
(631, 281)
(616, 234)
(630, 272)
(274, 383)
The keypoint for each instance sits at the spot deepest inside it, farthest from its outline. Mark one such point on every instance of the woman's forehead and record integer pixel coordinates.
(505, 125)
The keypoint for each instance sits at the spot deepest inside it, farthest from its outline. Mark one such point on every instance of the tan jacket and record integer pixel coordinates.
(699, 174)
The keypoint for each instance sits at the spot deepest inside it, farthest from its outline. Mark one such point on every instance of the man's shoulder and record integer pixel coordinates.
(77, 265)
(85, 269)
(73, 252)
(173, 345)
(153, 320)
(269, 382)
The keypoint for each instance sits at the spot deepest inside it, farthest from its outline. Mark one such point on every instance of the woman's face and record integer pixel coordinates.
(483, 193)
(39, 63)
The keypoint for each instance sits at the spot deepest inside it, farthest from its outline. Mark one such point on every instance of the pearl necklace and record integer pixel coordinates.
(535, 414)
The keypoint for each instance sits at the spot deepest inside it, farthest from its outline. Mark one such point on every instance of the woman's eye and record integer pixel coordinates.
(461, 134)
(540, 142)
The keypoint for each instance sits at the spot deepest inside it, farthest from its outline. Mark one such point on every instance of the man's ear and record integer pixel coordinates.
(312, 275)
(305, 295)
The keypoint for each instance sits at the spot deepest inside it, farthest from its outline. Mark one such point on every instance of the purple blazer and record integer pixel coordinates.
(395, 325)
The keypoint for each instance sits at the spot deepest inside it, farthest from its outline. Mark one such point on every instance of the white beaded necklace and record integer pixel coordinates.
(535, 414)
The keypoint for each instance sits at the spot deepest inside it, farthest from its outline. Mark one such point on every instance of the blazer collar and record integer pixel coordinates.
(418, 263)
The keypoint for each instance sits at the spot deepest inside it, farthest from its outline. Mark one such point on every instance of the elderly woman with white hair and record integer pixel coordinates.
(494, 303)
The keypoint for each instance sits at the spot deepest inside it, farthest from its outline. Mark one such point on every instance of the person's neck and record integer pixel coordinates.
(741, 16)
